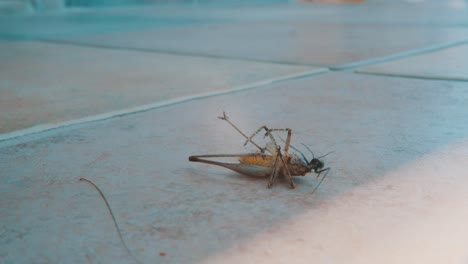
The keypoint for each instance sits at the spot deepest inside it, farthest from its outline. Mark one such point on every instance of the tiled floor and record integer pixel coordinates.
(123, 96)
(83, 82)
(445, 64)
(312, 43)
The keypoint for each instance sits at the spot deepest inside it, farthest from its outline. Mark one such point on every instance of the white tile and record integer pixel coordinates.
(311, 43)
(397, 185)
(446, 64)
(47, 84)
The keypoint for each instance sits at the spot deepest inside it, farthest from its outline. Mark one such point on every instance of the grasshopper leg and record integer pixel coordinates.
(225, 118)
(256, 132)
(288, 139)
(274, 173)
(270, 135)
(288, 173)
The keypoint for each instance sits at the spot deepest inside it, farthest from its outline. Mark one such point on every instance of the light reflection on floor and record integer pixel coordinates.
(416, 213)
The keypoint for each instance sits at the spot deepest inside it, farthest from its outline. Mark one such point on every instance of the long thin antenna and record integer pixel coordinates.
(308, 150)
(326, 154)
(113, 218)
(296, 149)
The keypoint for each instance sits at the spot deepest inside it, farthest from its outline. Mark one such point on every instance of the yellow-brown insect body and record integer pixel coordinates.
(294, 164)
(259, 164)
(259, 159)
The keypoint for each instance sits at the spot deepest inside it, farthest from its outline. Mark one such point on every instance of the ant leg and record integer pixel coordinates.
(225, 118)
(322, 170)
(327, 170)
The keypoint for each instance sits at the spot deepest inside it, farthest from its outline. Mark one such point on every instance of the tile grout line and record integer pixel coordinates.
(415, 76)
(148, 107)
(172, 52)
(397, 56)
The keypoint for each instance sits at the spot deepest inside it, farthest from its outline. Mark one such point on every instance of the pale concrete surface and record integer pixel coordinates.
(397, 186)
(396, 192)
(448, 64)
(40, 78)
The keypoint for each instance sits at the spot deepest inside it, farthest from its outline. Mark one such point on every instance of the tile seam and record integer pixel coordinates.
(397, 56)
(178, 53)
(152, 106)
(415, 76)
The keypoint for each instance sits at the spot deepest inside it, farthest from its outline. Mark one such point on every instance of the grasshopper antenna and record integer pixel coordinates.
(113, 218)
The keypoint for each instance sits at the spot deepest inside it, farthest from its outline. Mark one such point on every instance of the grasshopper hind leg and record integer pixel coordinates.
(274, 173)
(280, 167)
(225, 118)
(286, 171)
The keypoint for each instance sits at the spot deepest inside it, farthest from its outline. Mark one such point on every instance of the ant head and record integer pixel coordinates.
(315, 164)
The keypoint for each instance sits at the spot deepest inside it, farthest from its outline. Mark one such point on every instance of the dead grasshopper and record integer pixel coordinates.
(271, 165)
